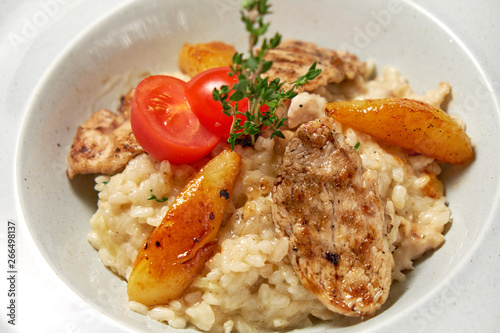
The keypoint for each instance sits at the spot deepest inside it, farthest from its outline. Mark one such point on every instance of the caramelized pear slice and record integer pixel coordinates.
(196, 58)
(178, 248)
(407, 123)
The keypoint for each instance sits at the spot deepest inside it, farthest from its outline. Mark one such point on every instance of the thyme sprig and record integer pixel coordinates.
(251, 85)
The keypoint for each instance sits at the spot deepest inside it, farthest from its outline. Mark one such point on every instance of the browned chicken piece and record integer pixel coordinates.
(126, 104)
(293, 58)
(105, 143)
(328, 208)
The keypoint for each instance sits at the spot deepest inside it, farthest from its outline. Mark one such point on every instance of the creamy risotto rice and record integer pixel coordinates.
(249, 284)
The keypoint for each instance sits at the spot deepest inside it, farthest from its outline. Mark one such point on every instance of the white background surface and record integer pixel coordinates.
(45, 304)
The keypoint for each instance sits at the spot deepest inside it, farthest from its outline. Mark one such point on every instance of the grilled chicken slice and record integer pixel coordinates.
(105, 143)
(327, 206)
(293, 58)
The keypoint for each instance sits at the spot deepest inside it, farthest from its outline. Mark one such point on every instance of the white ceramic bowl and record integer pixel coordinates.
(108, 58)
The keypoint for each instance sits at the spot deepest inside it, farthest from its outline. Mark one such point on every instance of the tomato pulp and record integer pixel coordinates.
(164, 124)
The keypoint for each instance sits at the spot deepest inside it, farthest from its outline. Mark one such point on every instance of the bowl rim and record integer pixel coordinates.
(492, 216)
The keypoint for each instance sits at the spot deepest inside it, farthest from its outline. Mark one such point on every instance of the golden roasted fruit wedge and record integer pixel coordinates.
(407, 123)
(178, 248)
(196, 58)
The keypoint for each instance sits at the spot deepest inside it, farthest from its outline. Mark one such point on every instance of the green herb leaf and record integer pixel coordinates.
(237, 96)
(153, 197)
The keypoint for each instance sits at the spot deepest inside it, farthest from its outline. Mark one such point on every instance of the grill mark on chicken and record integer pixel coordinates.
(292, 58)
(328, 208)
(105, 143)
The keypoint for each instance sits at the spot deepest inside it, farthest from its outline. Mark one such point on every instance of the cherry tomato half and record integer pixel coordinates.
(200, 98)
(164, 124)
